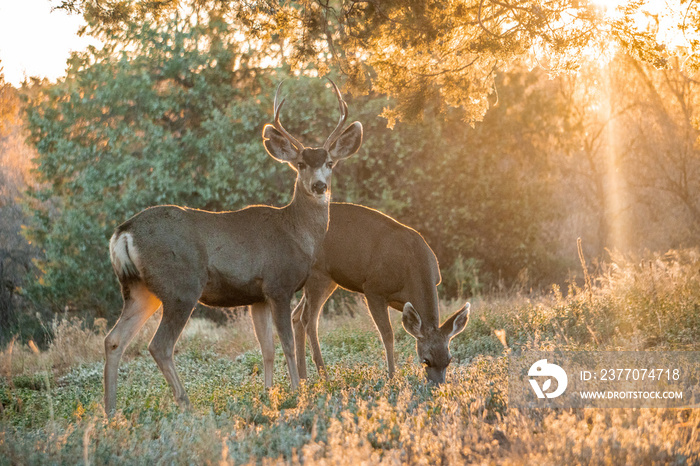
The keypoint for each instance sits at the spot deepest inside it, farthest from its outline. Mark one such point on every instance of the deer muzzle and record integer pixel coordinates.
(435, 375)
(319, 187)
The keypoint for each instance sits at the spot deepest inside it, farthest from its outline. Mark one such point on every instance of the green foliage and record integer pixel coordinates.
(33, 382)
(462, 278)
(15, 253)
(165, 122)
(485, 193)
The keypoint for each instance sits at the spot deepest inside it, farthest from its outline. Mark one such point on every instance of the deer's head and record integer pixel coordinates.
(433, 342)
(313, 165)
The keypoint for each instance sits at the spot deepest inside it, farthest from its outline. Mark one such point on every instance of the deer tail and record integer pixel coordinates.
(124, 256)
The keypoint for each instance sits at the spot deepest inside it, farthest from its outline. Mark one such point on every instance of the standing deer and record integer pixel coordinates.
(260, 256)
(368, 252)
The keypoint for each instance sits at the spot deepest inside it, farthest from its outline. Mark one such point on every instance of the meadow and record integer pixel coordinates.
(51, 400)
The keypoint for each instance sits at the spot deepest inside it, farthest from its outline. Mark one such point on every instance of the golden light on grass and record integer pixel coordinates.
(33, 347)
(501, 335)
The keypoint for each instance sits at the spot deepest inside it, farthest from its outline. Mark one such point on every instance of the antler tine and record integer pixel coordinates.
(277, 107)
(343, 107)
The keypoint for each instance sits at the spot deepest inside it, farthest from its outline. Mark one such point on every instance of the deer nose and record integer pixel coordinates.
(319, 187)
(435, 376)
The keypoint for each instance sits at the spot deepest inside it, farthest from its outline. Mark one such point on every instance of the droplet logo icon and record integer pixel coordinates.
(543, 369)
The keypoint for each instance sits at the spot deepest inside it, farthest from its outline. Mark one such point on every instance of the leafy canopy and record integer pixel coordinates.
(429, 55)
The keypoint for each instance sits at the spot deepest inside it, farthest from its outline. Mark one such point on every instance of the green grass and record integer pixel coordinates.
(358, 414)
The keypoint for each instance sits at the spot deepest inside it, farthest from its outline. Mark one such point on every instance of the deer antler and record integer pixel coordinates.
(297, 145)
(341, 121)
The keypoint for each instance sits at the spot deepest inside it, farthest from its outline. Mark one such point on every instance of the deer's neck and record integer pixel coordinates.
(424, 297)
(308, 218)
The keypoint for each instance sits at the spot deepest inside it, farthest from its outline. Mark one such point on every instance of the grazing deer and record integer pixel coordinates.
(260, 256)
(368, 252)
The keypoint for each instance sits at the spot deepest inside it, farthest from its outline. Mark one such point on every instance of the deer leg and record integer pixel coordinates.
(176, 313)
(262, 323)
(378, 308)
(316, 292)
(282, 317)
(139, 305)
(298, 314)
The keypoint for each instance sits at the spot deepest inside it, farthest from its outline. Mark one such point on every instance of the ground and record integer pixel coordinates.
(358, 415)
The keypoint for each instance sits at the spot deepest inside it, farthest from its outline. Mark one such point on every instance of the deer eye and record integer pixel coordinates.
(426, 363)
(301, 165)
(329, 164)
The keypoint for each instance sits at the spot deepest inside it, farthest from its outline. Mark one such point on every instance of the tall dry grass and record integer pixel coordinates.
(358, 416)
(73, 344)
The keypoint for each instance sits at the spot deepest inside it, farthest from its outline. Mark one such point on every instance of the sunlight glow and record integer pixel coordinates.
(661, 18)
(608, 5)
(614, 202)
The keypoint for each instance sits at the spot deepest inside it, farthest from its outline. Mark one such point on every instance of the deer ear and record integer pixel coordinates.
(456, 323)
(411, 320)
(278, 146)
(347, 143)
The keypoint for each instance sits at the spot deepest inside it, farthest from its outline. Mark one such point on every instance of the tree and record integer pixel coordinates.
(170, 111)
(590, 160)
(428, 55)
(175, 119)
(631, 156)
(15, 253)
(486, 193)
(170, 120)
(662, 159)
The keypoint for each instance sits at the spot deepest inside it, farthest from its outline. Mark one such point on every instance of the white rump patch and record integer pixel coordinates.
(124, 255)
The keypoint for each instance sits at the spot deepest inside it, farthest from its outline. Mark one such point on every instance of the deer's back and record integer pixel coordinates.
(231, 258)
(365, 248)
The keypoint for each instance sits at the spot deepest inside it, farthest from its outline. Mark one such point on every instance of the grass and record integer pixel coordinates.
(358, 416)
